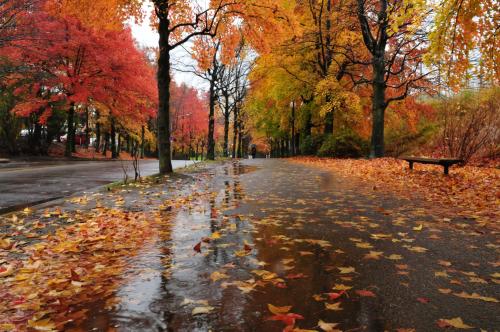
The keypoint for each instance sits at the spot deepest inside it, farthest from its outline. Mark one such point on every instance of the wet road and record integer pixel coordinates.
(336, 251)
(33, 183)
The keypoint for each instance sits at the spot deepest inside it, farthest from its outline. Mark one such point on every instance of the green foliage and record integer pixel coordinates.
(309, 145)
(10, 125)
(344, 144)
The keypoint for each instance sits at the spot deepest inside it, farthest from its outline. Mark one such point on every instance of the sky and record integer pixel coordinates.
(146, 36)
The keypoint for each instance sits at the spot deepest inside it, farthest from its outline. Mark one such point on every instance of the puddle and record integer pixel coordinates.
(247, 259)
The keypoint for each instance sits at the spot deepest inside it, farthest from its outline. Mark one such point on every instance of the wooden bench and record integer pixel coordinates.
(446, 163)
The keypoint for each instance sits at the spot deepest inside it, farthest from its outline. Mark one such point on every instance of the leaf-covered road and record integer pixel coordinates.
(267, 245)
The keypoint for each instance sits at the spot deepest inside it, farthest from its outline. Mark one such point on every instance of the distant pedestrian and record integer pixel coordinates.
(253, 151)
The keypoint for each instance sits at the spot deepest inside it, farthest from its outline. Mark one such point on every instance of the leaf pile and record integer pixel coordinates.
(78, 263)
(473, 191)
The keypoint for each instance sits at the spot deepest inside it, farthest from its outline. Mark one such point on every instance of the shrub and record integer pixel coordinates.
(470, 123)
(345, 144)
(310, 145)
(400, 141)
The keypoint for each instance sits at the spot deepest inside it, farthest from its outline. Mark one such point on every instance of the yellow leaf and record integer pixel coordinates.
(364, 245)
(418, 228)
(333, 306)
(278, 310)
(475, 296)
(42, 325)
(417, 249)
(218, 275)
(327, 327)
(215, 236)
(444, 290)
(395, 257)
(202, 310)
(441, 274)
(373, 255)
(341, 287)
(241, 253)
(5, 244)
(454, 322)
(346, 270)
(318, 297)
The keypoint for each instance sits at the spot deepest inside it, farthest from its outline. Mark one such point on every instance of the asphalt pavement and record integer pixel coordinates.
(28, 183)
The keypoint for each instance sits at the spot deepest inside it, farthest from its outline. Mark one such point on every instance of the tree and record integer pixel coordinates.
(79, 66)
(177, 23)
(393, 35)
(464, 42)
(15, 23)
(232, 87)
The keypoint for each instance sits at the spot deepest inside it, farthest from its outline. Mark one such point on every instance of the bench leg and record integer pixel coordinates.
(411, 164)
(446, 169)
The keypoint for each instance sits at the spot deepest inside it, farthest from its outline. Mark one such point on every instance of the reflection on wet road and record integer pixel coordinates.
(270, 232)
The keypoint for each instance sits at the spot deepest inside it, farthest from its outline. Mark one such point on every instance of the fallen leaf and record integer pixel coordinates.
(334, 296)
(453, 322)
(475, 296)
(288, 319)
(218, 275)
(202, 310)
(341, 287)
(333, 306)
(42, 325)
(197, 247)
(365, 293)
(346, 270)
(6, 270)
(278, 310)
(364, 245)
(444, 290)
(373, 255)
(327, 327)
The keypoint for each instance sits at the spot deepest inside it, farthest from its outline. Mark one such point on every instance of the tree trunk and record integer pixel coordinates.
(69, 135)
(293, 129)
(119, 146)
(240, 141)
(97, 136)
(87, 129)
(114, 155)
(105, 146)
(307, 131)
(378, 108)
(164, 156)
(226, 135)
(329, 123)
(142, 142)
(235, 131)
(211, 122)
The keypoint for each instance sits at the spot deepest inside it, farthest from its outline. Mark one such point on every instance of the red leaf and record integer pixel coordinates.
(365, 293)
(288, 319)
(334, 296)
(296, 276)
(197, 247)
(74, 275)
(422, 300)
